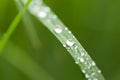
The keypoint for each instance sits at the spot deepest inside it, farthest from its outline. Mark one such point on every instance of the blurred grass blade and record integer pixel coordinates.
(18, 58)
(12, 27)
(30, 28)
(64, 35)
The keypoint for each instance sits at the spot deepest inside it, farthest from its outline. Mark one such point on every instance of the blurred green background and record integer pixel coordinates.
(33, 53)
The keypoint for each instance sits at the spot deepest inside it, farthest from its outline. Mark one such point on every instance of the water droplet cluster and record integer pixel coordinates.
(81, 57)
(44, 14)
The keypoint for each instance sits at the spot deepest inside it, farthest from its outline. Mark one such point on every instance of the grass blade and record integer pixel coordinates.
(12, 27)
(64, 35)
(30, 28)
(24, 63)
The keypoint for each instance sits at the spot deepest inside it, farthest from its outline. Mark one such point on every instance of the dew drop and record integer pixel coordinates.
(69, 32)
(77, 59)
(52, 16)
(93, 73)
(82, 53)
(93, 63)
(87, 76)
(48, 20)
(73, 36)
(42, 14)
(85, 63)
(76, 47)
(34, 8)
(83, 71)
(66, 28)
(95, 79)
(46, 9)
(77, 62)
(81, 60)
(89, 66)
(58, 29)
(70, 42)
(64, 45)
(99, 71)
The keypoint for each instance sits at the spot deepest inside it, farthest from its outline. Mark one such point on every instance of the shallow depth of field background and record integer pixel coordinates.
(95, 23)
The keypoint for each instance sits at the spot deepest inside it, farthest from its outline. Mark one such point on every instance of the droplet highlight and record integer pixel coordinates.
(77, 62)
(70, 42)
(99, 71)
(42, 14)
(58, 29)
(93, 63)
(87, 76)
(81, 60)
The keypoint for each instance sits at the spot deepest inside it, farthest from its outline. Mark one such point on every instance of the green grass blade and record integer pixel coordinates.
(30, 28)
(64, 35)
(12, 27)
(24, 63)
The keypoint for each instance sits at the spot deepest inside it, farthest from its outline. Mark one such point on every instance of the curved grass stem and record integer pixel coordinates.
(64, 35)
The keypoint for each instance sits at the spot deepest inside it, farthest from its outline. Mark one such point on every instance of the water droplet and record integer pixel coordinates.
(58, 29)
(87, 76)
(64, 45)
(77, 62)
(69, 32)
(93, 73)
(81, 60)
(34, 8)
(87, 58)
(93, 63)
(89, 66)
(85, 63)
(52, 16)
(77, 59)
(70, 42)
(42, 14)
(82, 53)
(66, 28)
(99, 71)
(83, 71)
(46, 9)
(76, 47)
(95, 79)
(48, 20)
